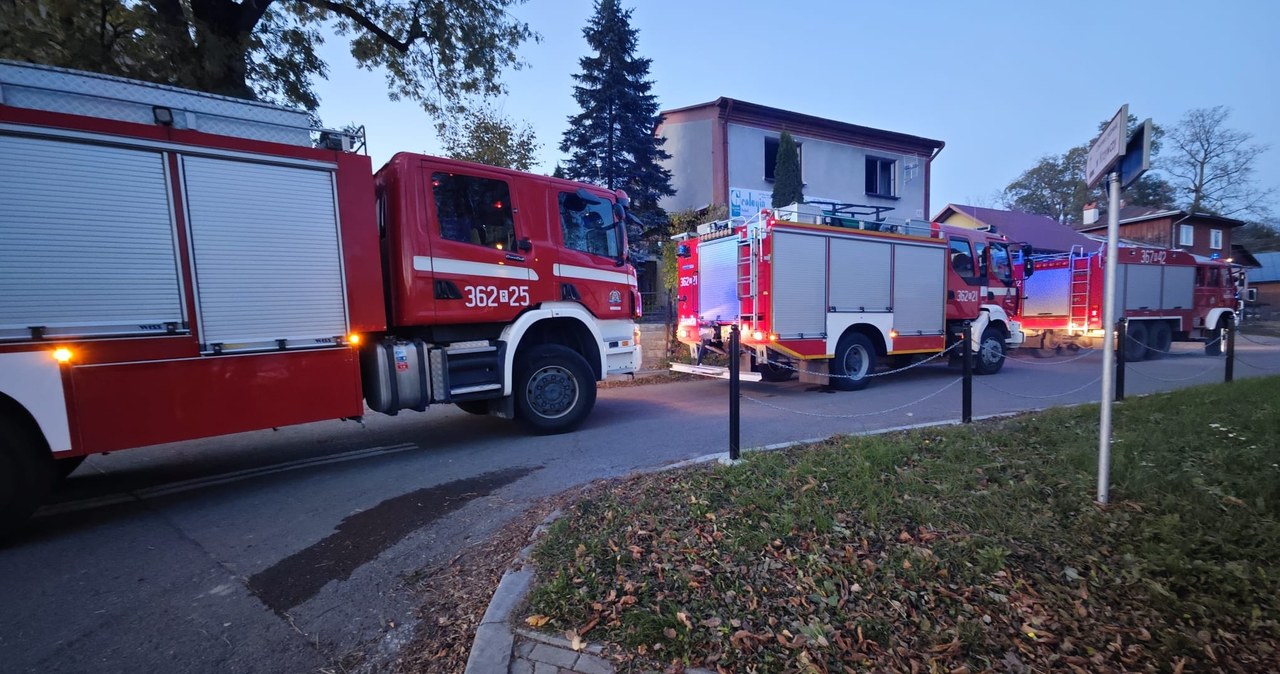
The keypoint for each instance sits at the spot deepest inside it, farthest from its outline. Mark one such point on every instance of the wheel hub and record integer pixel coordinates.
(552, 392)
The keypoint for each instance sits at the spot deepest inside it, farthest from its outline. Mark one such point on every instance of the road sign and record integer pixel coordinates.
(1137, 155)
(1108, 148)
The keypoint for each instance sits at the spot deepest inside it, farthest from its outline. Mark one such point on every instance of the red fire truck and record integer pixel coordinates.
(1167, 295)
(175, 265)
(829, 290)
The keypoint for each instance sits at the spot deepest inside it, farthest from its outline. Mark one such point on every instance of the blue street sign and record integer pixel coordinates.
(1136, 159)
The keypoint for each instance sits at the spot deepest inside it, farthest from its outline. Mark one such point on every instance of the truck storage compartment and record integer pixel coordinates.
(268, 263)
(88, 244)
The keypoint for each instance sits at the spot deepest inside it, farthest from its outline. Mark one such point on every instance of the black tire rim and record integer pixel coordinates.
(855, 362)
(552, 392)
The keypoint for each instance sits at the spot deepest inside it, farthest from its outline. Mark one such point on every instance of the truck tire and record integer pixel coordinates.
(854, 359)
(1159, 339)
(554, 389)
(27, 474)
(480, 407)
(1213, 340)
(1135, 342)
(990, 356)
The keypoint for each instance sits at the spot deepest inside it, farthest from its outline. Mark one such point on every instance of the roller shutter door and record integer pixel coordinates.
(860, 275)
(799, 285)
(268, 264)
(1179, 287)
(1048, 293)
(1143, 286)
(919, 289)
(86, 241)
(717, 279)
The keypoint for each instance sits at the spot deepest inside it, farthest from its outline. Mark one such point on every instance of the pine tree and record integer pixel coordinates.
(611, 142)
(787, 187)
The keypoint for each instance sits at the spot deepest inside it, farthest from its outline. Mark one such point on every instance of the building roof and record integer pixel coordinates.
(1269, 269)
(1042, 232)
(746, 112)
(1130, 214)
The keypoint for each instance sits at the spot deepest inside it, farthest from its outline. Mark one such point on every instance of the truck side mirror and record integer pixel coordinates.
(1028, 265)
(524, 245)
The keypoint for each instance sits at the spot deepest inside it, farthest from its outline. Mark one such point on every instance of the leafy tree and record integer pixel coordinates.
(1213, 166)
(558, 172)
(787, 187)
(1257, 237)
(486, 136)
(1056, 186)
(612, 142)
(433, 51)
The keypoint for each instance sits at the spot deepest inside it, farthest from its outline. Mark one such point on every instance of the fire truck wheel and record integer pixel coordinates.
(1213, 340)
(1135, 346)
(27, 474)
(1159, 339)
(855, 358)
(554, 389)
(990, 356)
(480, 407)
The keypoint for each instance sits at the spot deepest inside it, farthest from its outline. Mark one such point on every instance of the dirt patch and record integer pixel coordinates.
(454, 597)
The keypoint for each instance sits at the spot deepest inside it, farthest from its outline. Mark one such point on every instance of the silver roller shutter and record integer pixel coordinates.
(919, 289)
(799, 285)
(717, 279)
(1143, 284)
(268, 264)
(860, 275)
(86, 241)
(1179, 287)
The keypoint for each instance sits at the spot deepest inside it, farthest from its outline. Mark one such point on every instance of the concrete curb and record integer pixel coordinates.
(495, 638)
(491, 649)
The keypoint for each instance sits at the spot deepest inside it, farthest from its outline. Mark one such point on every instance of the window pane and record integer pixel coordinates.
(980, 250)
(474, 210)
(1000, 262)
(961, 258)
(770, 157)
(880, 176)
(587, 226)
(1186, 235)
(872, 175)
(1215, 239)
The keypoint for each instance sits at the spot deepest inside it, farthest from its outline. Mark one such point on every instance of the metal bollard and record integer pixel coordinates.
(1122, 328)
(966, 400)
(734, 385)
(1230, 336)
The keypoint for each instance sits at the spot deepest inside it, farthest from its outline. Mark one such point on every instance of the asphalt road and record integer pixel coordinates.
(282, 551)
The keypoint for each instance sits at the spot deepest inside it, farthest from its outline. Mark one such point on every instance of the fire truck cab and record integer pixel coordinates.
(828, 290)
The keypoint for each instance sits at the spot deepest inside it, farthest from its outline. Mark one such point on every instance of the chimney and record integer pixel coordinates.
(1090, 213)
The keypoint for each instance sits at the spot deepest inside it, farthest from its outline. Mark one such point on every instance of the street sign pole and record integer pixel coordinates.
(1108, 338)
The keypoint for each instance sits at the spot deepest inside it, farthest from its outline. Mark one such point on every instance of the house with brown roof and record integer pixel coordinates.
(724, 151)
(1045, 234)
(1198, 233)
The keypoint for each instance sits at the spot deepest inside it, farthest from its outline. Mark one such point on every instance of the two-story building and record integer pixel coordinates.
(1198, 233)
(724, 152)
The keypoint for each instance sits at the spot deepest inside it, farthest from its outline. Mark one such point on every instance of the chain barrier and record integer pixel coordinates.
(868, 375)
(1256, 367)
(1250, 339)
(1078, 389)
(1212, 366)
(1173, 353)
(854, 416)
(1086, 353)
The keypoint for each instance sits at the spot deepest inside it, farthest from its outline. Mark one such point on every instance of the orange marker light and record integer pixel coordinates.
(62, 355)
(757, 336)
(353, 339)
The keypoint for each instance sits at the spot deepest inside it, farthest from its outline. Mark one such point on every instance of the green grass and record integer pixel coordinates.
(949, 547)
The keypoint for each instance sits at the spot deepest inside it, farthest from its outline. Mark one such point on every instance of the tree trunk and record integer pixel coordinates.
(222, 48)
